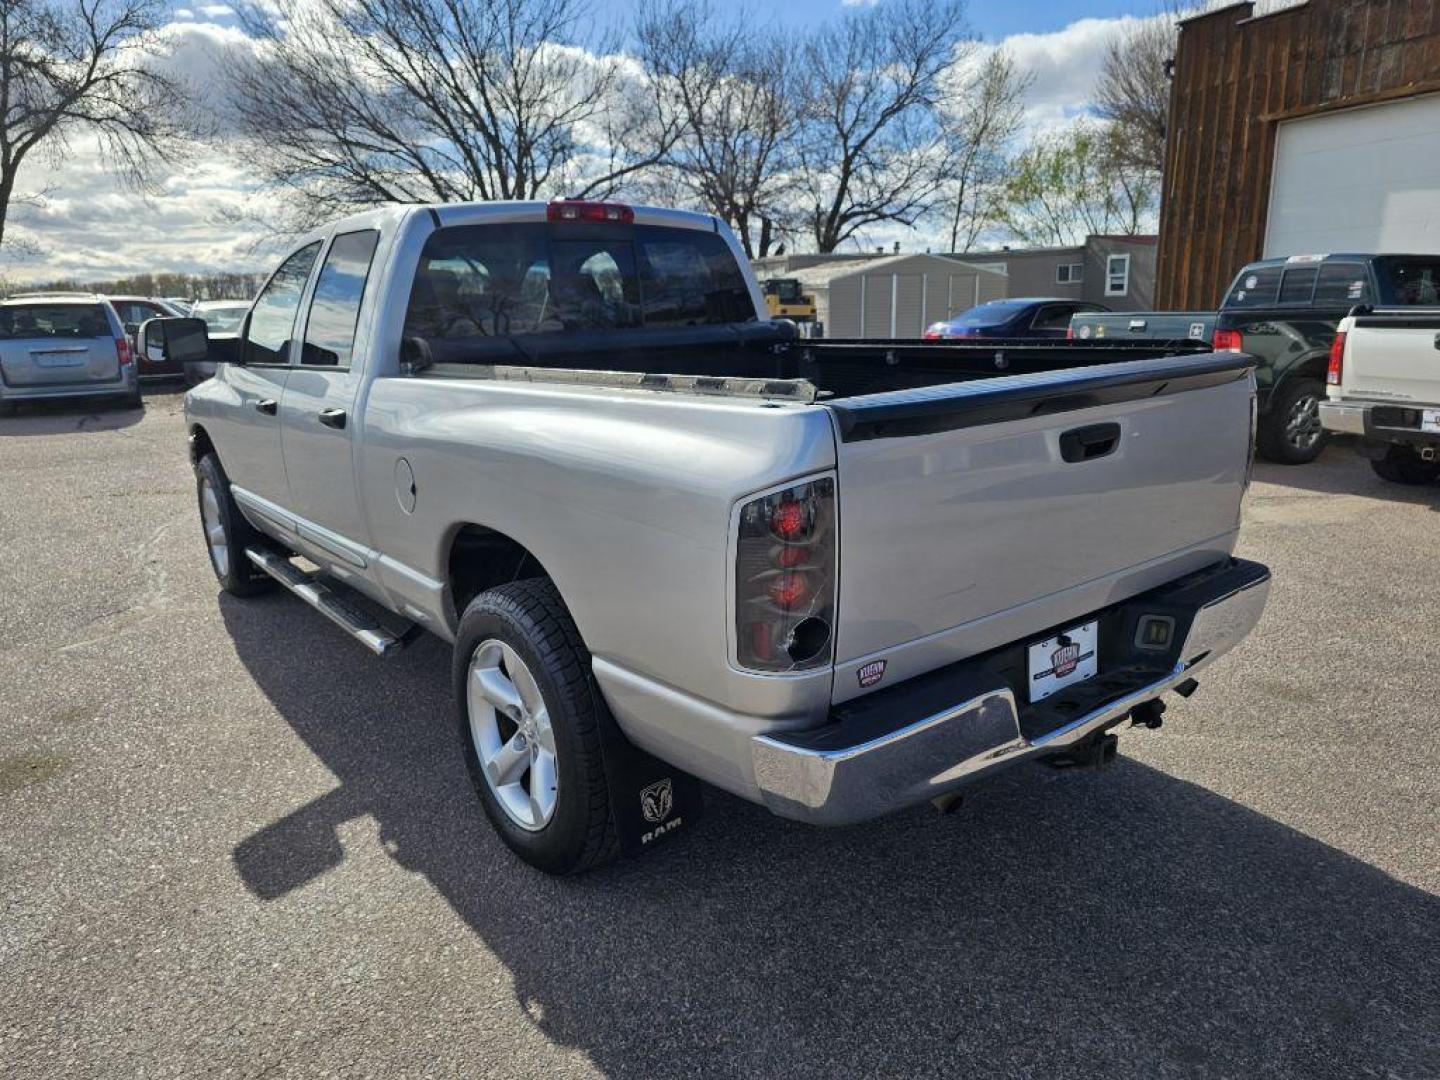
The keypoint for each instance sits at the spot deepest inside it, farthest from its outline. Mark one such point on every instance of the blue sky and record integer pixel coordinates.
(991, 19)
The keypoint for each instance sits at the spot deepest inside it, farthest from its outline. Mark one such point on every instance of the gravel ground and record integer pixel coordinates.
(233, 844)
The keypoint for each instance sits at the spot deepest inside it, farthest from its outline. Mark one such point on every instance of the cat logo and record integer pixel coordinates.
(657, 800)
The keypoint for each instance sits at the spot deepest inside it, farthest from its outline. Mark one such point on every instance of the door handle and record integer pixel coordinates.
(269, 406)
(1089, 443)
(333, 417)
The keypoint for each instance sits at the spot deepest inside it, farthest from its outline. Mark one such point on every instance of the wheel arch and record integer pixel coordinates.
(478, 557)
(1312, 366)
(200, 443)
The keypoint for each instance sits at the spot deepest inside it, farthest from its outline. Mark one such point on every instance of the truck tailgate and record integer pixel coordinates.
(1395, 357)
(973, 515)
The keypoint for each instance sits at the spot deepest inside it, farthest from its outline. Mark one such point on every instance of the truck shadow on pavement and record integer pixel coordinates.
(1116, 924)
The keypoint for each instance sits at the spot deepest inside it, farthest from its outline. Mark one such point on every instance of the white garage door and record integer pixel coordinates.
(1360, 180)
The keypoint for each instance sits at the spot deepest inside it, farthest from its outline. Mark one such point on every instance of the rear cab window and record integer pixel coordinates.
(62, 321)
(1257, 286)
(1409, 280)
(493, 280)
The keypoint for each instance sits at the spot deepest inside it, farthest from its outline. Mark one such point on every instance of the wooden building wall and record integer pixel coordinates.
(1236, 78)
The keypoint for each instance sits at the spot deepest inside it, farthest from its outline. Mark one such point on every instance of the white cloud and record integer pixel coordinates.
(89, 226)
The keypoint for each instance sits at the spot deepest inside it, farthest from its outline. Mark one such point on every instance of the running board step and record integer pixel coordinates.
(327, 599)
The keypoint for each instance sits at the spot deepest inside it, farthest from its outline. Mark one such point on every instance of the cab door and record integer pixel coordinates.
(318, 413)
(249, 436)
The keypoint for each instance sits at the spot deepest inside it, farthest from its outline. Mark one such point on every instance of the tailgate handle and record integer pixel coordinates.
(1089, 443)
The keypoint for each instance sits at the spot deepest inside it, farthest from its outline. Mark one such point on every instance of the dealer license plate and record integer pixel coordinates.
(1430, 420)
(1063, 660)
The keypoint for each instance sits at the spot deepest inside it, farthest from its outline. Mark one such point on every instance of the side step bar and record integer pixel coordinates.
(327, 600)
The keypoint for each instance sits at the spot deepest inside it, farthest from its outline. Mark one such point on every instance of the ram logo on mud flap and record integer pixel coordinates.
(657, 800)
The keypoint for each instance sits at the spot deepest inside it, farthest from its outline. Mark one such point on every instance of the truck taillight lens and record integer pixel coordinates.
(1228, 341)
(785, 578)
(1337, 360)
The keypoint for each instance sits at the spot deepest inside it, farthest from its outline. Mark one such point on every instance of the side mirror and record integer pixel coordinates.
(173, 340)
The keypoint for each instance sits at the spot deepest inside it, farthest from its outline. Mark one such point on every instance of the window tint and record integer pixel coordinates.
(1342, 284)
(1409, 281)
(690, 277)
(335, 309)
(18, 321)
(1296, 286)
(1053, 317)
(486, 280)
(272, 321)
(996, 313)
(1255, 287)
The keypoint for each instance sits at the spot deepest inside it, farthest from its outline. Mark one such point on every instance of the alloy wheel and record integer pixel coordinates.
(510, 727)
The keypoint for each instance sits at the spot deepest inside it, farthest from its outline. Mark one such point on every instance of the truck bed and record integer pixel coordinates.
(835, 368)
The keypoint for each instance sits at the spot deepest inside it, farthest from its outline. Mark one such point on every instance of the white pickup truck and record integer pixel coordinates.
(1383, 384)
(671, 541)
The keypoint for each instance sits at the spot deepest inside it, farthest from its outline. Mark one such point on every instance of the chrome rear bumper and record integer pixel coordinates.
(817, 777)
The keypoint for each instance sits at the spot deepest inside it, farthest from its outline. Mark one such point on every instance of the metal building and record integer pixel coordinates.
(896, 297)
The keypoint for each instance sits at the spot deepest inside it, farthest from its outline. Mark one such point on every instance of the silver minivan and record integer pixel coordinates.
(64, 346)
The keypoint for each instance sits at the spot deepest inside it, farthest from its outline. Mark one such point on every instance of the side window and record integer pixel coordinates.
(1297, 286)
(335, 309)
(272, 319)
(1255, 287)
(1342, 284)
(1053, 317)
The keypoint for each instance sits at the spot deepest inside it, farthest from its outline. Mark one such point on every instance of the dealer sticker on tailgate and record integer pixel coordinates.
(1430, 420)
(1063, 660)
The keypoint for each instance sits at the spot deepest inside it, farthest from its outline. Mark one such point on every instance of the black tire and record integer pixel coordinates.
(239, 576)
(1285, 436)
(531, 619)
(1402, 465)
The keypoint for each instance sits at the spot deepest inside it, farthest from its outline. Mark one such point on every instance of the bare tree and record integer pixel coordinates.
(354, 102)
(982, 113)
(83, 66)
(1133, 90)
(1068, 185)
(872, 148)
(734, 96)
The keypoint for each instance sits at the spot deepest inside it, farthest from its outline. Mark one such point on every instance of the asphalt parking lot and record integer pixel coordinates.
(234, 844)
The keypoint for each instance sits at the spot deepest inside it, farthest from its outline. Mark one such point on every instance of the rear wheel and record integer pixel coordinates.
(227, 533)
(1402, 465)
(529, 718)
(1291, 434)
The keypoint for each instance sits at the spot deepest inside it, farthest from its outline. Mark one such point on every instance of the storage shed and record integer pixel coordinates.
(896, 297)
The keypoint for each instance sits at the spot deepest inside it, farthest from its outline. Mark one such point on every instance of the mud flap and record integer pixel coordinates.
(650, 799)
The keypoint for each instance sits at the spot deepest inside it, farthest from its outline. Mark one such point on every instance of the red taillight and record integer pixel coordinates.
(930, 335)
(789, 520)
(1069, 333)
(579, 210)
(1228, 341)
(785, 578)
(789, 590)
(1336, 367)
(123, 352)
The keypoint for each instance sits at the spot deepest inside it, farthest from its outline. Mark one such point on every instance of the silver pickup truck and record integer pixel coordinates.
(671, 541)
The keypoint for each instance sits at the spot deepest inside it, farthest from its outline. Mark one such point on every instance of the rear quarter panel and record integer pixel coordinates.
(625, 497)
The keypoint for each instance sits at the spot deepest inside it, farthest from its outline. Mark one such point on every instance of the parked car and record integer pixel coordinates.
(566, 439)
(1383, 384)
(1026, 317)
(63, 347)
(222, 323)
(1284, 312)
(1143, 325)
(134, 310)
